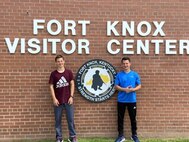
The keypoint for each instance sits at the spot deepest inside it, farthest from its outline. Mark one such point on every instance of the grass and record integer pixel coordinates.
(111, 140)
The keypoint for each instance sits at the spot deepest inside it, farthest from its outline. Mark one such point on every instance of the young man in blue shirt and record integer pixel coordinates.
(127, 82)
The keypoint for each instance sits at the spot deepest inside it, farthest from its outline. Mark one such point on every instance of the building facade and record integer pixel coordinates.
(154, 34)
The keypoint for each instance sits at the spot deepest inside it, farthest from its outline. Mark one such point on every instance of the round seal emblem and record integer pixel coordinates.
(95, 80)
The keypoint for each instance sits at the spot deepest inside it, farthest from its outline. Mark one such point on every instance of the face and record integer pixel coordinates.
(126, 65)
(60, 62)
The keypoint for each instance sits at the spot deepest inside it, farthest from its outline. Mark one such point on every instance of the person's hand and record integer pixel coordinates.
(70, 101)
(129, 89)
(56, 102)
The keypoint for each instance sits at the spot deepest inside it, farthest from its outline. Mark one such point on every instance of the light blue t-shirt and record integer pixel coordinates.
(124, 80)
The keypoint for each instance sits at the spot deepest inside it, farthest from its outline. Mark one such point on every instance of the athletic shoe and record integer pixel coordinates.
(120, 139)
(72, 139)
(58, 140)
(135, 138)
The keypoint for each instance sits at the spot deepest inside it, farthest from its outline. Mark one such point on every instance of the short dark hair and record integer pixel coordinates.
(58, 56)
(125, 58)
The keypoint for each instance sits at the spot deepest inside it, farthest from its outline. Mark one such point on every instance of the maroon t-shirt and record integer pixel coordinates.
(61, 84)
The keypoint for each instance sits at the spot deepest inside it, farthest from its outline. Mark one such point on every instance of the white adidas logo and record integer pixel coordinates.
(62, 82)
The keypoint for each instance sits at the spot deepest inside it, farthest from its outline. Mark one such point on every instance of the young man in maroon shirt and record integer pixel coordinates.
(62, 90)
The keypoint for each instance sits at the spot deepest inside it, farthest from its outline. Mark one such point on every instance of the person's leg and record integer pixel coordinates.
(132, 114)
(58, 121)
(121, 113)
(70, 119)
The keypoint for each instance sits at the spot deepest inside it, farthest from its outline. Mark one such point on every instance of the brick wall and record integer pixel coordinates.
(25, 104)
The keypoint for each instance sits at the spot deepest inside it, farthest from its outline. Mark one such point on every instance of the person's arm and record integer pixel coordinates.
(128, 89)
(55, 101)
(136, 88)
(72, 88)
(119, 88)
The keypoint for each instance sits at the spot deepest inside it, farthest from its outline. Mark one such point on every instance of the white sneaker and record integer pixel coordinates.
(59, 141)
